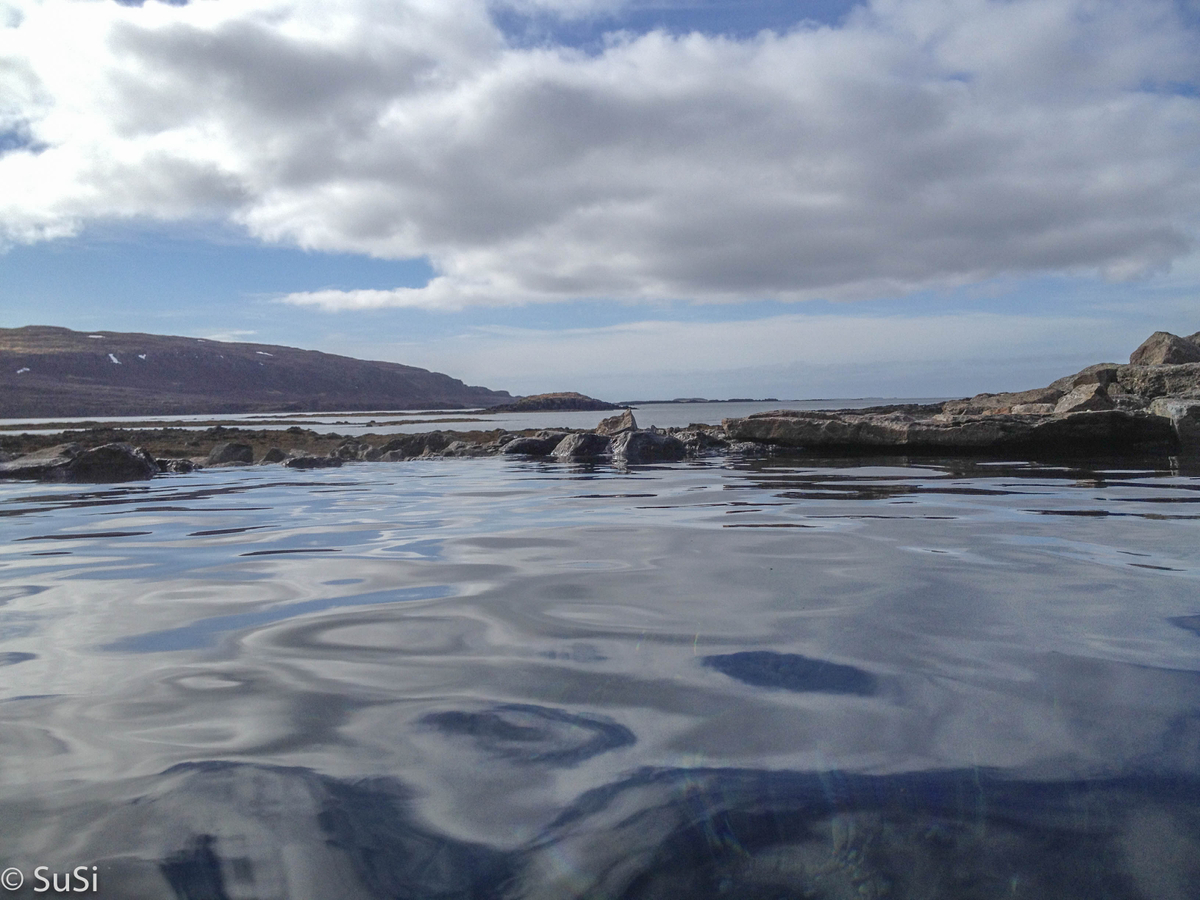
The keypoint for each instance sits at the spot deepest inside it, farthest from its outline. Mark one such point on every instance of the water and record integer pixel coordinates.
(659, 415)
(493, 678)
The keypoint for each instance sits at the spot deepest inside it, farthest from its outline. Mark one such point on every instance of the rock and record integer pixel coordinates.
(463, 448)
(314, 462)
(541, 444)
(584, 445)
(37, 465)
(698, 441)
(1085, 397)
(406, 446)
(176, 466)
(1099, 433)
(231, 454)
(614, 425)
(352, 450)
(1164, 348)
(1103, 374)
(1032, 409)
(107, 464)
(274, 455)
(989, 404)
(646, 446)
(1184, 416)
(1149, 382)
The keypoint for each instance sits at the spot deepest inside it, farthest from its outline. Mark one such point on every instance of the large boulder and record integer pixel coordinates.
(1163, 348)
(106, 464)
(230, 453)
(615, 425)
(584, 445)
(647, 446)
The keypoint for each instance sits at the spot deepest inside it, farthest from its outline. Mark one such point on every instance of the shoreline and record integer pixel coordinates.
(1149, 408)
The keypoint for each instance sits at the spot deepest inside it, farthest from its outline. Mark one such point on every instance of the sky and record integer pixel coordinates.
(635, 199)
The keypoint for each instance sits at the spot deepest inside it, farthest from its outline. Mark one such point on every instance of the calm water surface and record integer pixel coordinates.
(488, 678)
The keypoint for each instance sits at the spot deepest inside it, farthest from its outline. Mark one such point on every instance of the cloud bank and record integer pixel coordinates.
(919, 143)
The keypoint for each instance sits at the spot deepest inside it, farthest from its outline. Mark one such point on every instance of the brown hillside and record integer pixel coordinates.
(46, 371)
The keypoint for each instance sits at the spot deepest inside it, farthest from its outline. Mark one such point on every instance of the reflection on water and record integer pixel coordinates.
(489, 678)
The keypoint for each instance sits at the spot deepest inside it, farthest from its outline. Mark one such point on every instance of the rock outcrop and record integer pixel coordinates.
(1151, 405)
(1100, 432)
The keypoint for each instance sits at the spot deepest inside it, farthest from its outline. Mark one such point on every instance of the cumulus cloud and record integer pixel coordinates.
(920, 143)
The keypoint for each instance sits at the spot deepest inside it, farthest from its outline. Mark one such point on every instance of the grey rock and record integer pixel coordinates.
(1164, 348)
(314, 462)
(702, 441)
(541, 444)
(352, 450)
(274, 455)
(108, 463)
(1085, 397)
(37, 465)
(646, 446)
(406, 446)
(1032, 409)
(618, 424)
(231, 453)
(463, 449)
(584, 445)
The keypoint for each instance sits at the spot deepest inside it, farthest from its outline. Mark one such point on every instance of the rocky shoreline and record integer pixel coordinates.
(1149, 407)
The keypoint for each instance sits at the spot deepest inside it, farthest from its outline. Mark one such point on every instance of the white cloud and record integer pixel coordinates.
(925, 142)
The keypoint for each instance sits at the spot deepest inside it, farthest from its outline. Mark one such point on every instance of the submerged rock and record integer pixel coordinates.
(314, 462)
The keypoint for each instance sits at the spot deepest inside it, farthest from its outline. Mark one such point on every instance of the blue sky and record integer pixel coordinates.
(762, 198)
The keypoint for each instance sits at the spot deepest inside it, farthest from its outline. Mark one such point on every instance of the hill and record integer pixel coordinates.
(46, 371)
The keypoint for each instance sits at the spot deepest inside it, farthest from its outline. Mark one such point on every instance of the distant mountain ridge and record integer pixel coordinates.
(48, 371)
